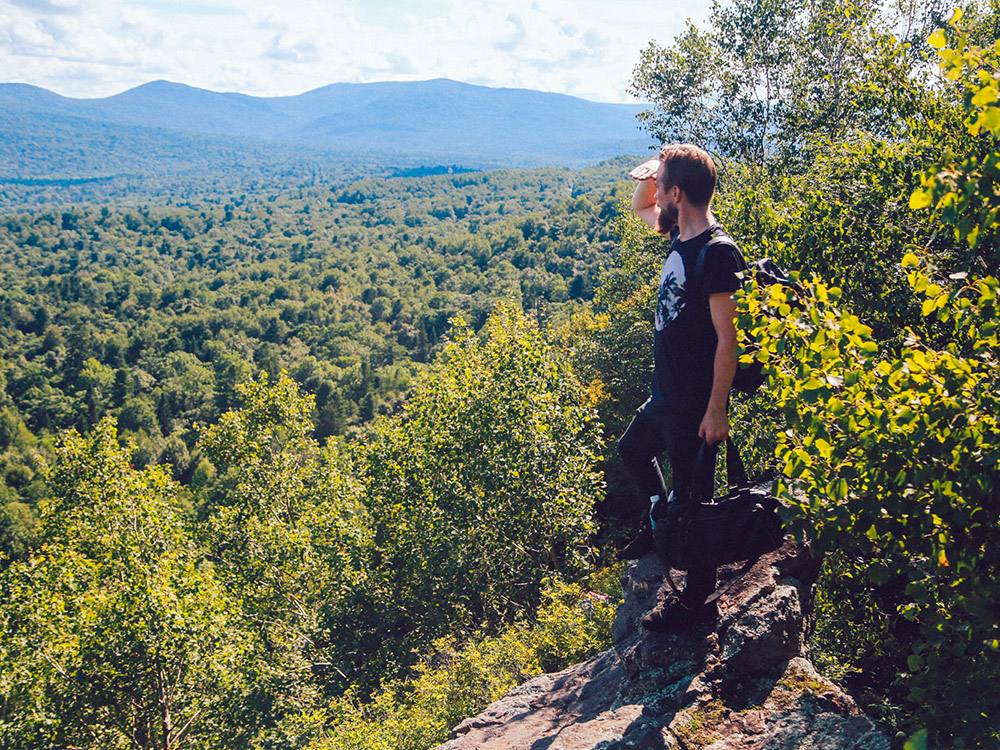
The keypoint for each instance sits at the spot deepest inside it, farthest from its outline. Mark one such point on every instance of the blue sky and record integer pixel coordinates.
(90, 48)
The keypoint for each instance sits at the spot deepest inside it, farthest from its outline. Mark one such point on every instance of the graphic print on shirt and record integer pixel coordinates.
(670, 297)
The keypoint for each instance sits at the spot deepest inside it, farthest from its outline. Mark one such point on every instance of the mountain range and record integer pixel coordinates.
(164, 129)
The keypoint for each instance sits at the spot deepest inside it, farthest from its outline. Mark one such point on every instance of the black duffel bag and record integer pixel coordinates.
(741, 525)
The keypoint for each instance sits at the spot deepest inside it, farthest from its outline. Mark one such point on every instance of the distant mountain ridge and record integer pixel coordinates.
(163, 127)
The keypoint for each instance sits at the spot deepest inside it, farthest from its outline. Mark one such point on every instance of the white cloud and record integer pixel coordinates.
(517, 37)
(585, 48)
(57, 28)
(48, 6)
(401, 64)
(292, 48)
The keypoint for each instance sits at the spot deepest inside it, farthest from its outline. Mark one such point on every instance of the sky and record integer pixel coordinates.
(96, 48)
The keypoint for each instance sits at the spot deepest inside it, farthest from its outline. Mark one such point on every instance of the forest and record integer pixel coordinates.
(154, 314)
(333, 467)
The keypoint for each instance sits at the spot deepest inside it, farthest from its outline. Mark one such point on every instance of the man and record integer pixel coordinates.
(694, 356)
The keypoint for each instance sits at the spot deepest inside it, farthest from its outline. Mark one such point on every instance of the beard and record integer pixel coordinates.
(666, 220)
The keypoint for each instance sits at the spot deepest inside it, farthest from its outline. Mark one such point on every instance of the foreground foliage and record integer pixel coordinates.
(897, 457)
(573, 623)
(115, 631)
(890, 457)
(319, 571)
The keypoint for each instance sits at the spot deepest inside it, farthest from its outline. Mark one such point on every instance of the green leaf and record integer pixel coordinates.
(989, 118)
(920, 198)
(918, 741)
(984, 97)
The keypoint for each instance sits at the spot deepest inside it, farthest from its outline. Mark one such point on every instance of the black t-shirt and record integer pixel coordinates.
(684, 349)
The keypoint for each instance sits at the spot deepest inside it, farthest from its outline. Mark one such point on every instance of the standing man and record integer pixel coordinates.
(694, 356)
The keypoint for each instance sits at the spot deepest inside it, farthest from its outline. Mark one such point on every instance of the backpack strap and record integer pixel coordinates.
(719, 239)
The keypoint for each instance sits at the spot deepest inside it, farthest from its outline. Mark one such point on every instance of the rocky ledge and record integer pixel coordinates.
(744, 682)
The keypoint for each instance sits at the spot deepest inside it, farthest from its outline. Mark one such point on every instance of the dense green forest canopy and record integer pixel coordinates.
(154, 314)
(384, 519)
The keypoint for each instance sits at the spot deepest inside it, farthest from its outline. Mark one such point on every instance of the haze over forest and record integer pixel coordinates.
(187, 137)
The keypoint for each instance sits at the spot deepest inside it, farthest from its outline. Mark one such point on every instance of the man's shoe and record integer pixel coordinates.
(672, 615)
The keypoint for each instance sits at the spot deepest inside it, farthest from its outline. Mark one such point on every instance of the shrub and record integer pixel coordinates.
(573, 623)
(896, 458)
(483, 485)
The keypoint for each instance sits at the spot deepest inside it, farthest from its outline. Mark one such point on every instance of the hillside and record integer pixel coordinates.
(163, 131)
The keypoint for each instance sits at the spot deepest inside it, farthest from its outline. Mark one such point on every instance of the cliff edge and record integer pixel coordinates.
(742, 683)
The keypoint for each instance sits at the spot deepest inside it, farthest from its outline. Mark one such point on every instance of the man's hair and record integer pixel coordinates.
(691, 169)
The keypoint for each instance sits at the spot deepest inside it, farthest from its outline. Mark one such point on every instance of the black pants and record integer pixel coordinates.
(655, 430)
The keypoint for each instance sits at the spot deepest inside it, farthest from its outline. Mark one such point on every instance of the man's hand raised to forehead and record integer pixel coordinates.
(645, 171)
(644, 197)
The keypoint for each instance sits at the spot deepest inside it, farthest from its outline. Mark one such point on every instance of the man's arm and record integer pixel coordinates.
(644, 197)
(715, 424)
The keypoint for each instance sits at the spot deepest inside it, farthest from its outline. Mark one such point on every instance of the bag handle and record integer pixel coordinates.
(735, 470)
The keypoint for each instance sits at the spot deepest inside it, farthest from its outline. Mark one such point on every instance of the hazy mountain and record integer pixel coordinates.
(164, 128)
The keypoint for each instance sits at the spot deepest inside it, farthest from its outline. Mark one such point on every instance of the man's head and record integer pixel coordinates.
(686, 174)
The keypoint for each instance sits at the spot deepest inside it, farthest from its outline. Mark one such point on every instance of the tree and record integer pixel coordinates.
(890, 456)
(18, 531)
(483, 484)
(766, 78)
(290, 540)
(116, 633)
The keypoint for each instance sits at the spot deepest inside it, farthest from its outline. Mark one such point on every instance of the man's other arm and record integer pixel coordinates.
(715, 424)
(644, 197)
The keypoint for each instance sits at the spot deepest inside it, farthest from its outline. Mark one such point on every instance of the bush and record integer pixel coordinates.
(890, 450)
(483, 486)
(896, 457)
(573, 624)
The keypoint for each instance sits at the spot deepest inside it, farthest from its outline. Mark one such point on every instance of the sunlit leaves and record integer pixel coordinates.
(116, 633)
(894, 458)
(963, 186)
(291, 538)
(485, 482)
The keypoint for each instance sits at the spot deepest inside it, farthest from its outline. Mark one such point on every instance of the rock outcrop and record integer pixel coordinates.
(744, 682)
